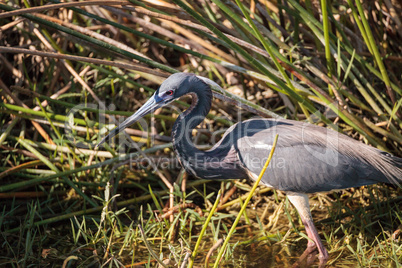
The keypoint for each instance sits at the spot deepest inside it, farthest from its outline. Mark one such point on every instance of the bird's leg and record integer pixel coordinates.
(300, 201)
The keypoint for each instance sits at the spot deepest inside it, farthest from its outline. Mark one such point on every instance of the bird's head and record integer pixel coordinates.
(172, 88)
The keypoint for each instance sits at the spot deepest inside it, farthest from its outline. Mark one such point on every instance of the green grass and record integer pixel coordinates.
(65, 204)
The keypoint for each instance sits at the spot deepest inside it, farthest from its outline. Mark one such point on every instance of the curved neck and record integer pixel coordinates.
(221, 162)
(189, 156)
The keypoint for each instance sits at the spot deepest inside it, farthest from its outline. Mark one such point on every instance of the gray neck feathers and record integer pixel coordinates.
(188, 154)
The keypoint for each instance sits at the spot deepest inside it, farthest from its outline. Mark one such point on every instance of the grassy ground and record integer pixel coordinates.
(70, 71)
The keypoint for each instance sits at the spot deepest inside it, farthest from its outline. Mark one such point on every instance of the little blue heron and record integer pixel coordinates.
(307, 159)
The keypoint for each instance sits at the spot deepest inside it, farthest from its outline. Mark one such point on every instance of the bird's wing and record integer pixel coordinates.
(309, 158)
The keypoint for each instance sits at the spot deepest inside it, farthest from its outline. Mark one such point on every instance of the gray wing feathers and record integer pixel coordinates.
(310, 158)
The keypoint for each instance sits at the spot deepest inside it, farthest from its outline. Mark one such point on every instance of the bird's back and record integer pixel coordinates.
(309, 158)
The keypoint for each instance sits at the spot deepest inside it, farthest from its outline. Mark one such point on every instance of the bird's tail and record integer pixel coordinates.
(392, 168)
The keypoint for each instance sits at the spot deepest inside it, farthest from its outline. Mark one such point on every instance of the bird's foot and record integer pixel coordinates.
(307, 258)
(323, 257)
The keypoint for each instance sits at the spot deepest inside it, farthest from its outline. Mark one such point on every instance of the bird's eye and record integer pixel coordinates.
(169, 93)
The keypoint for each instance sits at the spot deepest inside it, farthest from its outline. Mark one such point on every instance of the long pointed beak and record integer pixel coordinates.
(150, 106)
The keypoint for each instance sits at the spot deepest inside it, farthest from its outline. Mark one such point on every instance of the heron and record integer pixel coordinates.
(308, 158)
